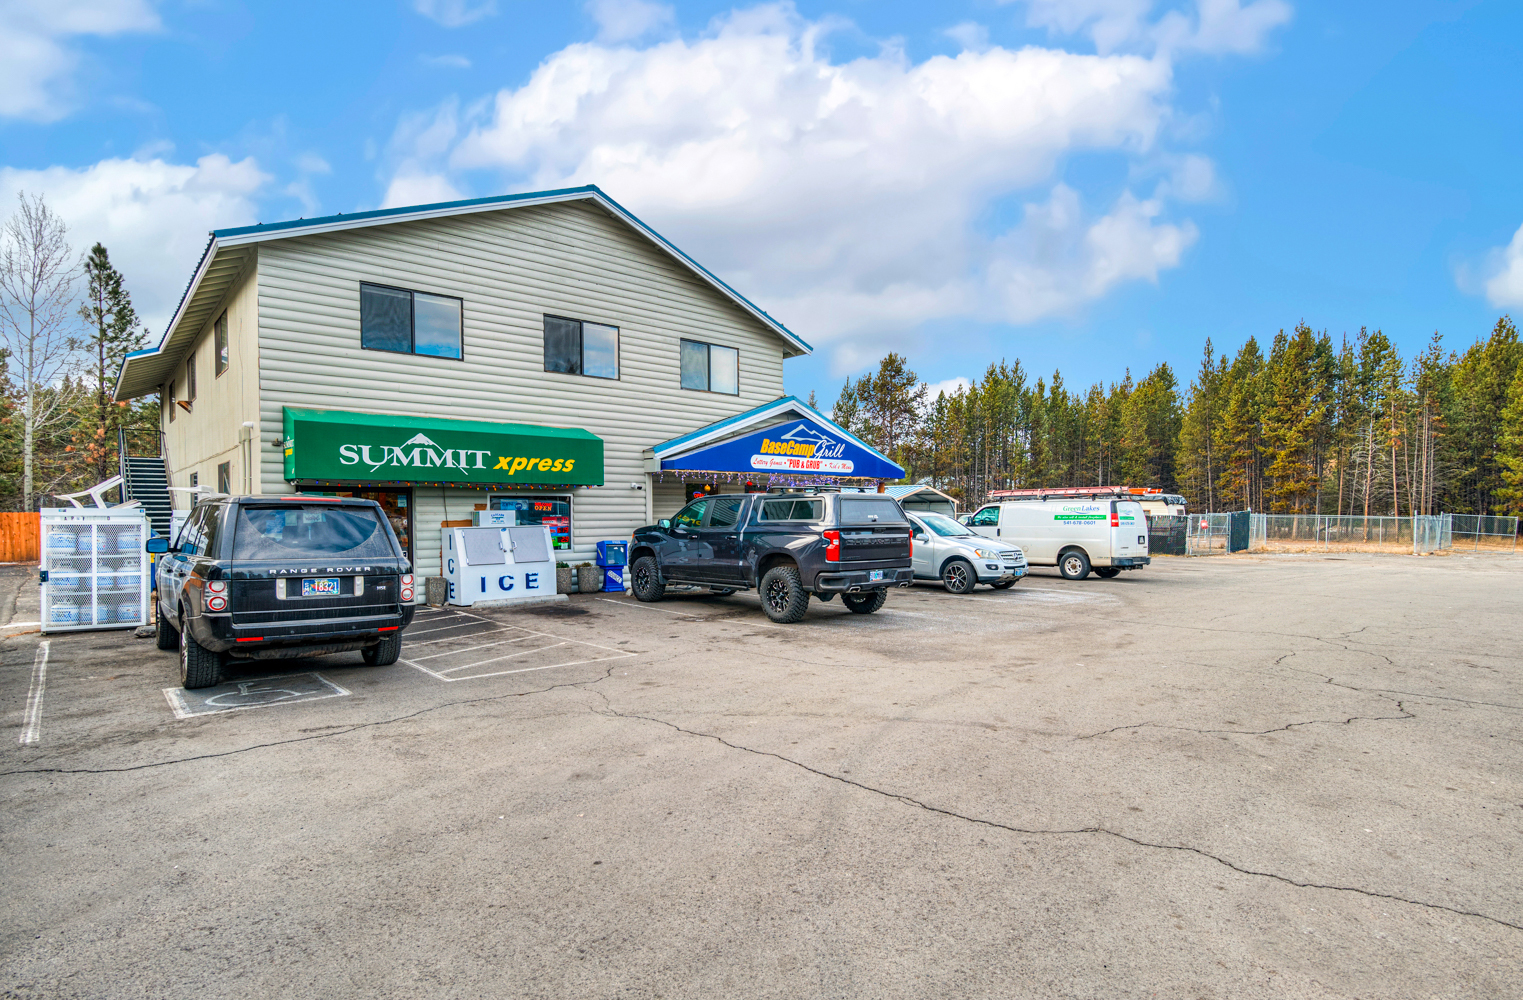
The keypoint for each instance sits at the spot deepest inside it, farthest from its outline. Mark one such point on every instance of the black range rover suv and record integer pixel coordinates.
(268, 578)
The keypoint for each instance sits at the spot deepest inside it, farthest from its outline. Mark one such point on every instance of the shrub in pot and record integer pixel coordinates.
(589, 578)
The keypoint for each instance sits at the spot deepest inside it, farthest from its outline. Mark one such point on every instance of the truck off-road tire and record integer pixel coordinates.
(168, 635)
(1073, 565)
(783, 596)
(199, 667)
(385, 652)
(1004, 584)
(645, 580)
(1107, 572)
(865, 604)
(959, 577)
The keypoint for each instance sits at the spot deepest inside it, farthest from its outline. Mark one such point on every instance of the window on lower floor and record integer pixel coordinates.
(554, 512)
(710, 367)
(406, 322)
(576, 347)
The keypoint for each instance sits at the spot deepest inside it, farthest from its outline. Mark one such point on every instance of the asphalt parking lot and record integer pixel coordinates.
(1255, 777)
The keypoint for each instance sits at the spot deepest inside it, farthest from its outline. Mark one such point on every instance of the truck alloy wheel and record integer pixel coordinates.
(958, 577)
(784, 598)
(646, 580)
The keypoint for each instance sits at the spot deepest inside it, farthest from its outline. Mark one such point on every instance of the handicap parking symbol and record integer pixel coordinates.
(258, 692)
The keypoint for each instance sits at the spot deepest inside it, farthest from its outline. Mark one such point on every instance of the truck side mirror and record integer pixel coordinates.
(665, 523)
(157, 545)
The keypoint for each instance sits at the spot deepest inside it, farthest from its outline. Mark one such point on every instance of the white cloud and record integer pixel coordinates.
(446, 61)
(848, 198)
(950, 386)
(1504, 285)
(153, 216)
(1210, 26)
(627, 20)
(36, 61)
(455, 13)
(970, 35)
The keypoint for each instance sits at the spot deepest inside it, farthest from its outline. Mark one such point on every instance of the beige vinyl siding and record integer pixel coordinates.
(207, 436)
(511, 268)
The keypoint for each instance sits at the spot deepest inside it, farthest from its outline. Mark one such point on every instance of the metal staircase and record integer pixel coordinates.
(146, 480)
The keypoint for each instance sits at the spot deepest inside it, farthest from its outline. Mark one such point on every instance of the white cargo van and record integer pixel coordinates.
(1073, 535)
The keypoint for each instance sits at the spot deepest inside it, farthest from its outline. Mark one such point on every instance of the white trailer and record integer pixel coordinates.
(1076, 536)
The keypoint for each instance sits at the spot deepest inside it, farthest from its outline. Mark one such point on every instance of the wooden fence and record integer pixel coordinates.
(20, 537)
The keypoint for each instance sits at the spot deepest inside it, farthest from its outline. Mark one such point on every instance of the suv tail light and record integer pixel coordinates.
(214, 592)
(406, 594)
(832, 545)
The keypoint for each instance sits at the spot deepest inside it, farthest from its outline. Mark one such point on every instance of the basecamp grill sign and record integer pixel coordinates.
(802, 449)
(797, 446)
(331, 445)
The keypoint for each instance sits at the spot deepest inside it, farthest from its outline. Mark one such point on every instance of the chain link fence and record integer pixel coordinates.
(1212, 534)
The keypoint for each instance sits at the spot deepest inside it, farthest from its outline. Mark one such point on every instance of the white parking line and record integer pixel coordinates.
(485, 645)
(504, 673)
(442, 628)
(468, 635)
(31, 725)
(509, 656)
(646, 607)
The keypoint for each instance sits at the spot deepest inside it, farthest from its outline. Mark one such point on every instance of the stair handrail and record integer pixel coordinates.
(121, 461)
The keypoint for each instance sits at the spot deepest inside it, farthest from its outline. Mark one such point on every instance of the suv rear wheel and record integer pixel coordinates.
(646, 580)
(784, 598)
(865, 604)
(1073, 565)
(199, 667)
(385, 652)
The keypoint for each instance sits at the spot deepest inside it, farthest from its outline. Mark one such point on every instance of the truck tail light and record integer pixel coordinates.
(1115, 520)
(832, 546)
(912, 544)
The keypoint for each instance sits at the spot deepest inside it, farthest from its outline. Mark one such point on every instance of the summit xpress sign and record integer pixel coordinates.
(336, 445)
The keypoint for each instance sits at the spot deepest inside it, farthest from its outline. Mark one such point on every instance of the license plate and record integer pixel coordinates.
(876, 574)
(320, 588)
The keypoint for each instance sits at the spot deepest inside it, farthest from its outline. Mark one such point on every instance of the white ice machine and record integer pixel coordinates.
(498, 564)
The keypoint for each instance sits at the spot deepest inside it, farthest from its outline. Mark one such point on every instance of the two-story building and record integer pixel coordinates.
(546, 353)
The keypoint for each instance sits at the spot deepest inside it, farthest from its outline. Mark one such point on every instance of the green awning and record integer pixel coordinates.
(335, 445)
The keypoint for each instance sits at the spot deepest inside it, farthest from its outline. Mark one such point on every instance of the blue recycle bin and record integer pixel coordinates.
(613, 578)
(613, 554)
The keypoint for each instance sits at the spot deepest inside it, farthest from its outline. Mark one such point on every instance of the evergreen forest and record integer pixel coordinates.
(1304, 424)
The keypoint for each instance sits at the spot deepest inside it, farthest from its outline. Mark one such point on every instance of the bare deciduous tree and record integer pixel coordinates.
(37, 271)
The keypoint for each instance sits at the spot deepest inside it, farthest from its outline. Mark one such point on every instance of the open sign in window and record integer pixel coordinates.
(554, 512)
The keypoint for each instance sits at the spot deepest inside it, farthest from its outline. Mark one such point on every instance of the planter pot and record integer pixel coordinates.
(563, 580)
(589, 580)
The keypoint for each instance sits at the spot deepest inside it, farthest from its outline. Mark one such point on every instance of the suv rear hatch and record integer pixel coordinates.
(306, 562)
(874, 533)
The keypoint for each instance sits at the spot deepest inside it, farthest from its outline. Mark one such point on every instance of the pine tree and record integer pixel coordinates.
(108, 314)
(1292, 416)
(1510, 448)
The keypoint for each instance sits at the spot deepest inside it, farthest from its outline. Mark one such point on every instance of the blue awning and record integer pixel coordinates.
(785, 437)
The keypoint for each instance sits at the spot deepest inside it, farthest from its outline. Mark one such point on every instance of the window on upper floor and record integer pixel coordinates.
(710, 368)
(575, 347)
(405, 322)
(190, 377)
(170, 401)
(219, 337)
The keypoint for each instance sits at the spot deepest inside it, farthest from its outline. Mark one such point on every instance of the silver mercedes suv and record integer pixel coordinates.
(959, 557)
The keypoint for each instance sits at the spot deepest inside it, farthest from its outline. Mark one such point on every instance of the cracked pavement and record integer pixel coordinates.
(1276, 777)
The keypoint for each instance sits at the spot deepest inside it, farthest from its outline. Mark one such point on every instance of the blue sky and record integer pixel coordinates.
(1090, 185)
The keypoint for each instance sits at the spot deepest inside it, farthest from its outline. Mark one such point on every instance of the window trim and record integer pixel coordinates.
(221, 360)
(708, 366)
(412, 322)
(581, 342)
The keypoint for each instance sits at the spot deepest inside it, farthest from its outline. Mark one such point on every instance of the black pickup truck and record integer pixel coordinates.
(788, 546)
(269, 578)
